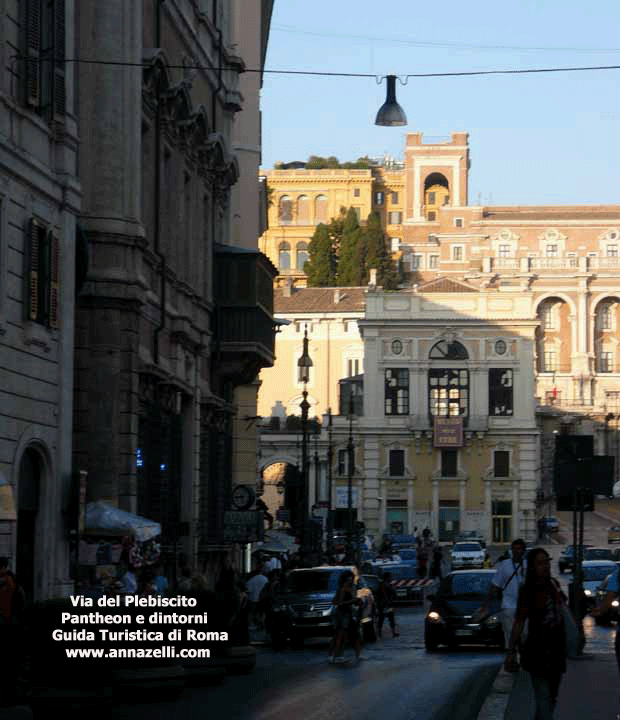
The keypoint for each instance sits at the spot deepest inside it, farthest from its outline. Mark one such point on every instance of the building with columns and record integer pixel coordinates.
(175, 318)
(563, 259)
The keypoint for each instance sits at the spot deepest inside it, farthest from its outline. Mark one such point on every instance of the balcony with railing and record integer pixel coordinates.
(244, 322)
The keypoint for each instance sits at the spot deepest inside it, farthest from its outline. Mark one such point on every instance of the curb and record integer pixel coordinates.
(494, 707)
(470, 697)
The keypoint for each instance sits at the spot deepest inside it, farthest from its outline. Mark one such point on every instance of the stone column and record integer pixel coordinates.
(382, 504)
(516, 520)
(488, 506)
(435, 510)
(410, 506)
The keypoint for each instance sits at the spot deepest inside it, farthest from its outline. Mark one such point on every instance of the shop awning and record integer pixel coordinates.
(102, 516)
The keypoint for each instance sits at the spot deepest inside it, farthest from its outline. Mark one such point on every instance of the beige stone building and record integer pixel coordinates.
(562, 261)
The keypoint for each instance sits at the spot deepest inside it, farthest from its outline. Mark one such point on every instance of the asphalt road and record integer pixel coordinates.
(398, 681)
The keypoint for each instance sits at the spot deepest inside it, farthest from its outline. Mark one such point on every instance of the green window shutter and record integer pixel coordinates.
(53, 280)
(31, 275)
(33, 53)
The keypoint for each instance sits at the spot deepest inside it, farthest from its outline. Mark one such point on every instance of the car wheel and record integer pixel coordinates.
(603, 620)
(430, 643)
(297, 642)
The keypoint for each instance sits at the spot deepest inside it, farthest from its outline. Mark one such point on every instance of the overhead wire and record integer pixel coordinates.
(464, 73)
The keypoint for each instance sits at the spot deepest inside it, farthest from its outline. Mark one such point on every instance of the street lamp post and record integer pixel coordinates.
(330, 460)
(304, 364)
(350, 457)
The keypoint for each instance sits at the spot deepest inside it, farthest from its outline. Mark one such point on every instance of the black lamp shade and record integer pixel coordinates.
(390, 113)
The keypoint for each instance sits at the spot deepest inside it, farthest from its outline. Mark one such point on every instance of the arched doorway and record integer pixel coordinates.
(282, 493)
(28, 494)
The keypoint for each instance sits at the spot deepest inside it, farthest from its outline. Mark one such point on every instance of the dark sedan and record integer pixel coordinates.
(449, 620)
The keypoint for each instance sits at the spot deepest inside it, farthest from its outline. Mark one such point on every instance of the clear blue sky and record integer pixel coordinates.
(534, 139)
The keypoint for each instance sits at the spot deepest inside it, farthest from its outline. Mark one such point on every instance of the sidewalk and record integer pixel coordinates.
(590, 689)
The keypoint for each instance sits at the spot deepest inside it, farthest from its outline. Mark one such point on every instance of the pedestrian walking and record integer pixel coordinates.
(8, 588)
(543, 653)
(254, 587)
(386, 596)
(435, 571)
(346, 618)
(613, 588)
(508, 578)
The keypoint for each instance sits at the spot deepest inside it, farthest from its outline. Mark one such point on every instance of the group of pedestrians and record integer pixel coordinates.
(347, 614)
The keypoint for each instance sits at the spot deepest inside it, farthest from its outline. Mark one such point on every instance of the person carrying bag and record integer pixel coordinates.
(543, 655)
(509, 575)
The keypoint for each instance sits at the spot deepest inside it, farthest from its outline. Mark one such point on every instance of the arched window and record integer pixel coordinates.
(303, 210)
(285, 210)
(320, 209)
(301, 255)
(444, 350)
(284, 256)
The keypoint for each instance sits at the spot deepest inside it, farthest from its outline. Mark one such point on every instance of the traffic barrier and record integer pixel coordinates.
(418, 588)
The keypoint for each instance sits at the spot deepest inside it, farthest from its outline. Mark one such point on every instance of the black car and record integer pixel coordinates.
(304, 607)
(449, 620)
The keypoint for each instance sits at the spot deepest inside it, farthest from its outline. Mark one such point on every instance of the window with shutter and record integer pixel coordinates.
(58, 81)
(44, 44)
(33, 53)
(42, 255)
(53, 281)
(32, 270)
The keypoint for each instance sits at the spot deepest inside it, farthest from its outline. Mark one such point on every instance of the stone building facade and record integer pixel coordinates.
(176, 315)
(39, 204)
(563, 259)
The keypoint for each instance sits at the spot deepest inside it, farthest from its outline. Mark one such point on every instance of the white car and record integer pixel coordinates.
(467, 555)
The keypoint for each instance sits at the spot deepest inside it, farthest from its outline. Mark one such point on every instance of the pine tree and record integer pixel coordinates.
(321, 264)
(375, 241)
(387, 272)
(350, 272)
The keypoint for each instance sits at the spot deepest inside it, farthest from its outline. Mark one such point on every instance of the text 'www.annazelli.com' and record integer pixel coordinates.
(168, 651)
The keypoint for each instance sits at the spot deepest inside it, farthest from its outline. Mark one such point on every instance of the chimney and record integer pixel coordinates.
(373, 277)
(336, 296)
(287, 288)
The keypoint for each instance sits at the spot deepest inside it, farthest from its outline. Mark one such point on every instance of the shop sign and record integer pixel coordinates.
(244, 526)
(448, 432)
(342, 498)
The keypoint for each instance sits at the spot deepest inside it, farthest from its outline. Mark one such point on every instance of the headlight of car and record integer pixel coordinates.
(492, 620)
(615, 603)
(588, 593)
(434, 616)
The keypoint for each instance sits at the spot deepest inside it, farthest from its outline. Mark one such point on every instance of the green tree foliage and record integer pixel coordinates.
(387, 271)
(351, 258)
(316, 162)
(375, 241)
(321, 264)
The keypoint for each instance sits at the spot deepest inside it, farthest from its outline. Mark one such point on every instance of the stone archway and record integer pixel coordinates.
(281, 484)
(30, 477)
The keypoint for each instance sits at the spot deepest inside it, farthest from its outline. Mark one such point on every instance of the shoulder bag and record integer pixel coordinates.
(573, 637)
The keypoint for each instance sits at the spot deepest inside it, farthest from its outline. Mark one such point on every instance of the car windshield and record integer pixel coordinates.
(408, 554)
(598, 554)
(318, 581)
(466, 584)
(467, 547)
(596, 573)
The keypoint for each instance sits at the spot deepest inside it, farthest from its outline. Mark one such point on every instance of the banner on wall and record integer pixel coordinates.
(448, 432)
